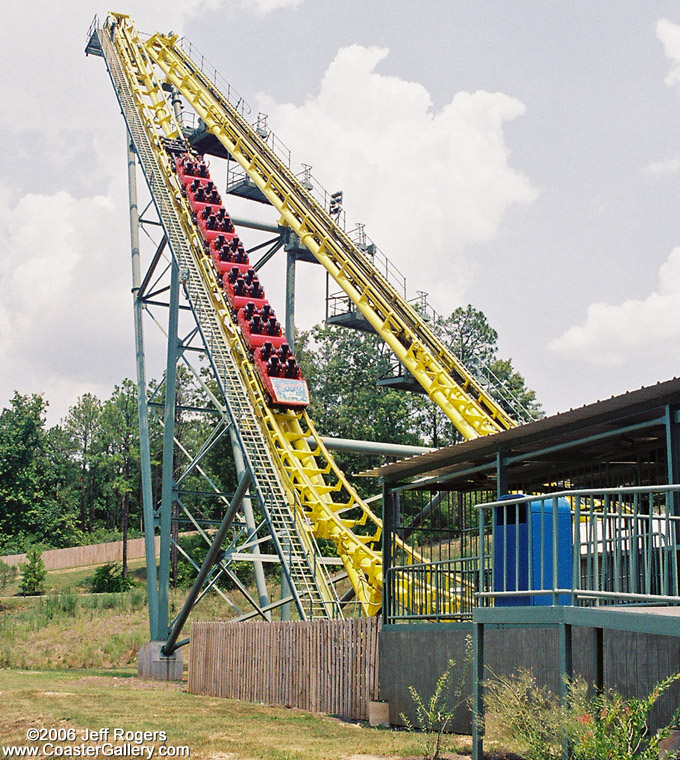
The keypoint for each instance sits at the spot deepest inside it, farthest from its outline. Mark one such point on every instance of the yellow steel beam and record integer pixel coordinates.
(328, 505)
(443, 377)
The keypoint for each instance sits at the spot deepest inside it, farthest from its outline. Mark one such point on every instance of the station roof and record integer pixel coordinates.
(615, 430)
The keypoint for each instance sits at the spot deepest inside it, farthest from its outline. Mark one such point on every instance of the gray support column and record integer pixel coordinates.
(167, 491)
(290, 337)
(260, 581)
(143, 409)
(290, 300)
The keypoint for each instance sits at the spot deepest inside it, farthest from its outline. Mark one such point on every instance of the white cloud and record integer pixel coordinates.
(427, 183)
(669, 36)
(613, 333)
(65, 313)
(663, 167)
(263, 7)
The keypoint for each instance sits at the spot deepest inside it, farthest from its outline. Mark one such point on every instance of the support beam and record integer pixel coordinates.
(370, 447)
(673, 451)
(254, 224)
(208, 563)
(290, 300)
(167, 490)
(387, 534)
(502, 482)
(142, 406)
(260, 580)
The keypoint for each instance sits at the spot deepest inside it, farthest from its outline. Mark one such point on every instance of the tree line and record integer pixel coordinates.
(79, 481)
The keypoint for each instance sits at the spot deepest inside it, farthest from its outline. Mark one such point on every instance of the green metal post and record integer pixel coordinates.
(387, 531)
(167, 490)
(290, 337)
(477, 691)
(555, 549)
(502, 484)
(143, 409)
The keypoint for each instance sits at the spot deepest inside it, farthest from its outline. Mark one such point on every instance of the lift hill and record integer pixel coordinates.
(300, 489)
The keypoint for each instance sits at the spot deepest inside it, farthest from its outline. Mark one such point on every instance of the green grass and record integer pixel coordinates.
(69, 659)
(223, 729)
(77, 579)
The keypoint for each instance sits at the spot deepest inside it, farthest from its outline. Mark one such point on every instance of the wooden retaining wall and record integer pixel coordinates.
(327, 666)
(92, 554)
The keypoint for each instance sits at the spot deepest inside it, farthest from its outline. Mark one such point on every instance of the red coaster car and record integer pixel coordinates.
(191, 166)
(281, 376)
(259, 326)
(239, 294)
(221, 240)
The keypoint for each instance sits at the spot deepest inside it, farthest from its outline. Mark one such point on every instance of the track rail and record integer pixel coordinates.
(150, 123)
(302, 492)
(442, 376)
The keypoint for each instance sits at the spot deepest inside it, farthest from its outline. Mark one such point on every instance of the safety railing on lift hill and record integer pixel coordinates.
(578, 547)
(212, 74)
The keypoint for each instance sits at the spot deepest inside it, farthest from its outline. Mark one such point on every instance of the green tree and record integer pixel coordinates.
(7, 574)
(474, 342)
(22, 469)
(467, 332)
(118, 428)
(33, 573)
(83, 426)
(341, 367)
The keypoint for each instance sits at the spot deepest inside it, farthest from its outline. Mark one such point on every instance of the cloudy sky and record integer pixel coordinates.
(522, 156)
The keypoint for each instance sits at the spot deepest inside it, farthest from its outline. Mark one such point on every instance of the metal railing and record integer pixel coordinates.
(575, 547)
(583, 547)
(433, 591)
(213, 75)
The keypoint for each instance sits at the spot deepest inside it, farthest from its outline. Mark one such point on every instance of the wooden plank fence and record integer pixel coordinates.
(91, 554)
(327, 666)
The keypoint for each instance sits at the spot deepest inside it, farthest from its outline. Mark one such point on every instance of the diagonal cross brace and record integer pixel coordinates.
(210, 559)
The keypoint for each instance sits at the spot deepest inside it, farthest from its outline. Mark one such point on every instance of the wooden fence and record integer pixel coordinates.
(327, 666)
(92, 554)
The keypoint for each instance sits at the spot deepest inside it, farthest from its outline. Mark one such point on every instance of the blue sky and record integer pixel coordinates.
(521, 156)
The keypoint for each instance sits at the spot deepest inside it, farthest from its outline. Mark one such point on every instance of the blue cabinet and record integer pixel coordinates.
(523, 551)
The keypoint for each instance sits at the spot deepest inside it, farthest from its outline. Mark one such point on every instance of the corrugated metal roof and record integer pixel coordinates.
(609, 414)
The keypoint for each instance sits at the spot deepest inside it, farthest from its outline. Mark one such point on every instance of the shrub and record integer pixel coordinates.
(109, 579)
(7, 574)
(529, 719)
(33, 573)
(436, 713)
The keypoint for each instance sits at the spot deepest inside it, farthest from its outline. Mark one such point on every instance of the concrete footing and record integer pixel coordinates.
(153, 666)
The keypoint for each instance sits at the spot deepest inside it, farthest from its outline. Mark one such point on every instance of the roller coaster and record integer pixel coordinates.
(299, 488)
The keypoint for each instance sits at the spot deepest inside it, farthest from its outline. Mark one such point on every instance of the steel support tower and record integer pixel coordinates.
(283, 465)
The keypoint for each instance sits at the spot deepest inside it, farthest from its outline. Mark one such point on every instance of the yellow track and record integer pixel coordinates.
(442, 376)
(329, 505)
